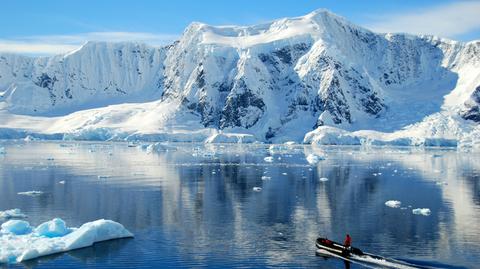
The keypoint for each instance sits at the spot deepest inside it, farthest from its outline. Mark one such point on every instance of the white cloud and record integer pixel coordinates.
(450, 20)
(55, 44)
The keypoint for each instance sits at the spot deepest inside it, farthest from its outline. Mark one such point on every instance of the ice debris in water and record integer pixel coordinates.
(393, 203)
(12, 214)
(257, 189)
(20, 242)
(31, 193)
(61, 182)
(313, 159)
(266, 178)
(323, 179)
(422, 211)
(268, 159)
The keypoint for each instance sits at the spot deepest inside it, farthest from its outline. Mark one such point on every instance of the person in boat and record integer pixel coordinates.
(348, 242)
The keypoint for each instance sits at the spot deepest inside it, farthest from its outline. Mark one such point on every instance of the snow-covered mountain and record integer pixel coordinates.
(276, 81)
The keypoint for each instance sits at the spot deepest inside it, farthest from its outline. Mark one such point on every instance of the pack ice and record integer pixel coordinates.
(20, 242)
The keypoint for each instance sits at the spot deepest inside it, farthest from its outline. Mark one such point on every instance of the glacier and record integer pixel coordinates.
(20, 242)
(316, 79)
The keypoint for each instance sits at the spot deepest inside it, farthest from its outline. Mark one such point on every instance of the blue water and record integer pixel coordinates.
(195, 206)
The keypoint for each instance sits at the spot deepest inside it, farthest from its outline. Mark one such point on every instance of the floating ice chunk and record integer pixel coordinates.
(158, 147)
(53, 228)
(31, 193)
(30, 138)
(231, 138)
(323, 179)
(61, 182)
(290, 143)
(266, 178)
(268, 159)
(257, 189)
(15, 248)
(422, 211)
(17, 227)
(313, 159)
(12, 214)
(284, 174)
(393, 203)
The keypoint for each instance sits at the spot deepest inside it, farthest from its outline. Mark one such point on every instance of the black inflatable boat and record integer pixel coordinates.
(352, 254)
(337, 248)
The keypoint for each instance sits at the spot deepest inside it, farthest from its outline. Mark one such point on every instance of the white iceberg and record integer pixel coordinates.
(313, 159)
(422, 211)
(12, 214)
(231, 138)
(30, 193)
(323, 179)
(257, 189)
(266, 178)
(268, 159)
(393, 203)
(20, 242)
(157, 147)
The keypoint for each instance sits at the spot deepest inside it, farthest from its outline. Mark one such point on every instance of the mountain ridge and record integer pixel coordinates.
(277, 80)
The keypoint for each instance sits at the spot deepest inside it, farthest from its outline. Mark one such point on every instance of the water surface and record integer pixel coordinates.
(195, 206)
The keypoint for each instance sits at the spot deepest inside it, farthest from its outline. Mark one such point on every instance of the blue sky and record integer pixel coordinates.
(48, 27)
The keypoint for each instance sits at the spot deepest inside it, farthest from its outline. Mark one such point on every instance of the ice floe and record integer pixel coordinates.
(31, 193)
(19, 241)
(393, 203)
(313, 159)
(257, 189)
(231, 138)
(422, 211)
(323, 179)
(12, 214)
(268, 159)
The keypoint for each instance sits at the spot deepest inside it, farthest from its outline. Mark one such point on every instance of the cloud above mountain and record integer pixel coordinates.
(449, 20)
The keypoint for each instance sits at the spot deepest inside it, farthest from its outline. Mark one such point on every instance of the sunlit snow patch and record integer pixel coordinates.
(393, 203)
(19, 241)
(422, 211)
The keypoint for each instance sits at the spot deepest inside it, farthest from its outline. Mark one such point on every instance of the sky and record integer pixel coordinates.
(56, 26)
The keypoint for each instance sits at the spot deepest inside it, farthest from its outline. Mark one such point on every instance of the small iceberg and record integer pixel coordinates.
(12, 214)
(313, 159)
(323, 179)
(268, 159)
(31, 193)
(257, 189)
(393, 203)
(266, 178)
(422, 211)
(20, 242)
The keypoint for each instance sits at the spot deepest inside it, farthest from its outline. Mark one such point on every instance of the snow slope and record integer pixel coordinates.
(276, 82)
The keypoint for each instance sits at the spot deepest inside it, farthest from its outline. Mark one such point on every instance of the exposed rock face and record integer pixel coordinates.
(472, 107)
